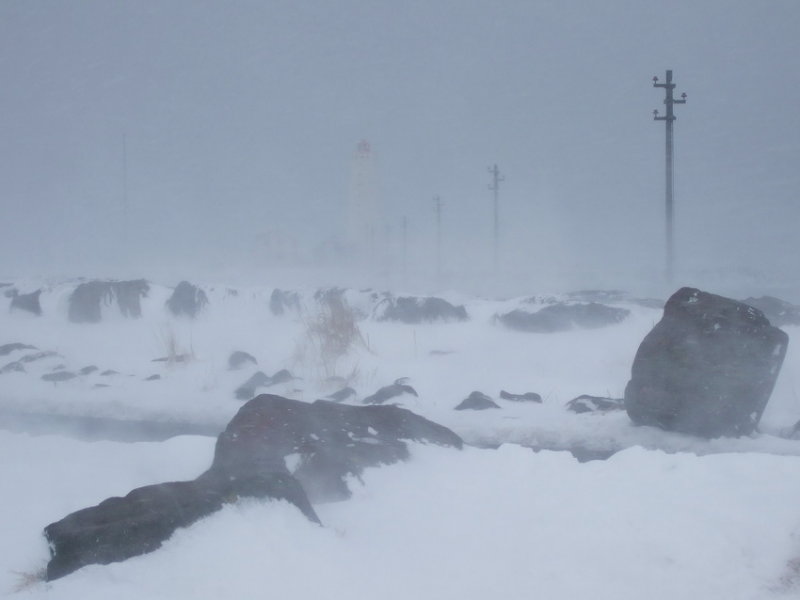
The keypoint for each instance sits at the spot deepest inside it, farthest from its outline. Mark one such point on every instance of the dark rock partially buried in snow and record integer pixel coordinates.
(27, 302)
(389, 392)
(328, 443)
(280, 301)
(419, 310)
(187, 300)
(562, 317)
(477, 401)
(779, 312)
(120, 528)
(87, 300)
(589, 404)
(258, 380)
(526, 397)
(239, 359)
(707, 368)
(7, 349)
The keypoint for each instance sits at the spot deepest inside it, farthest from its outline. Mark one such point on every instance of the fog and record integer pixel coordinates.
(209, 139)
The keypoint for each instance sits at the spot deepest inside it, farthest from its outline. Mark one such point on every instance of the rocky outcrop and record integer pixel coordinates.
(187, 300)
(779, 312)
(707, 368)
(413, 311)
(477, 401)
(526, 397)
(389, 392)
(562, 317)
(239, 359)
(27, 302)
(274, 448)
(591, 404)
(281, 301)
(258, 380)
(87, 300)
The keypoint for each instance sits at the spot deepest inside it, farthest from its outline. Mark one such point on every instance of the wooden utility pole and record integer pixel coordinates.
(495, 188)
(669, 118)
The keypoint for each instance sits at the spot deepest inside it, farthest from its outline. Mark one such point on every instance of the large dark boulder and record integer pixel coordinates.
(27, 302)
(87, 300)
(187, 300)
(327, 443)
(413, 310)
(332, 441)
(562, 317)
(707, 368)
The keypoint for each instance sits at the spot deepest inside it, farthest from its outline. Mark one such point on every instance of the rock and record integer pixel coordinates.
(260, 379)
(477, 401)
(7, 349)
(58, 376)
(239, 359)
(187, 299)
(29, 358)
(109, 372)
(88, 370)
(527, 397)
(388, 392)
(419, 310)
(586, 403)
(707, 368)
(13, 367)
(326, 442)
(779, 312)
(86, 301)
(341, 395)
(280, 301)
(562, 317)
(120, 528)
(27, 302)
(331, 442)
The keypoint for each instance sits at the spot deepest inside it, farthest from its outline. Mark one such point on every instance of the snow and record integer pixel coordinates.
(667, 516)
(507, 523)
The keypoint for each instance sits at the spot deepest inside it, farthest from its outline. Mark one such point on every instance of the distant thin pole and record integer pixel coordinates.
(494, 187)
(438, 207)
(125, 205)
(405, 245)
(125, 178)
(669, 119)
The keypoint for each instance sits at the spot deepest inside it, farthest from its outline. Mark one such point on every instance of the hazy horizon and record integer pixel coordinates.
(225, 123)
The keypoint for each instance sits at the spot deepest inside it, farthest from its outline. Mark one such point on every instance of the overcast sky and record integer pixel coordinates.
(241, 117)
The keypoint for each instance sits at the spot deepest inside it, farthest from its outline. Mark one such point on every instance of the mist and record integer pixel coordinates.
(187, 139)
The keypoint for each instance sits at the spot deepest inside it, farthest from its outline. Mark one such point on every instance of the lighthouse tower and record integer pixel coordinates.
(362, 205)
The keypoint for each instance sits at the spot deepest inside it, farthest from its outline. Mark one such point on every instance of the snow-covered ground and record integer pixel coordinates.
(668, 516)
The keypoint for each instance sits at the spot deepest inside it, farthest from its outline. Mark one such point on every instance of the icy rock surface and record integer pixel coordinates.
(707, 368)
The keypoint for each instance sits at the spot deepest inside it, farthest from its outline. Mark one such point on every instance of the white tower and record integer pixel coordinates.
(362, 206)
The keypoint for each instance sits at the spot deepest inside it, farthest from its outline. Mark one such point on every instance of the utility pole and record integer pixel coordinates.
(495, 188)
(669, 118)
(437, 201)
